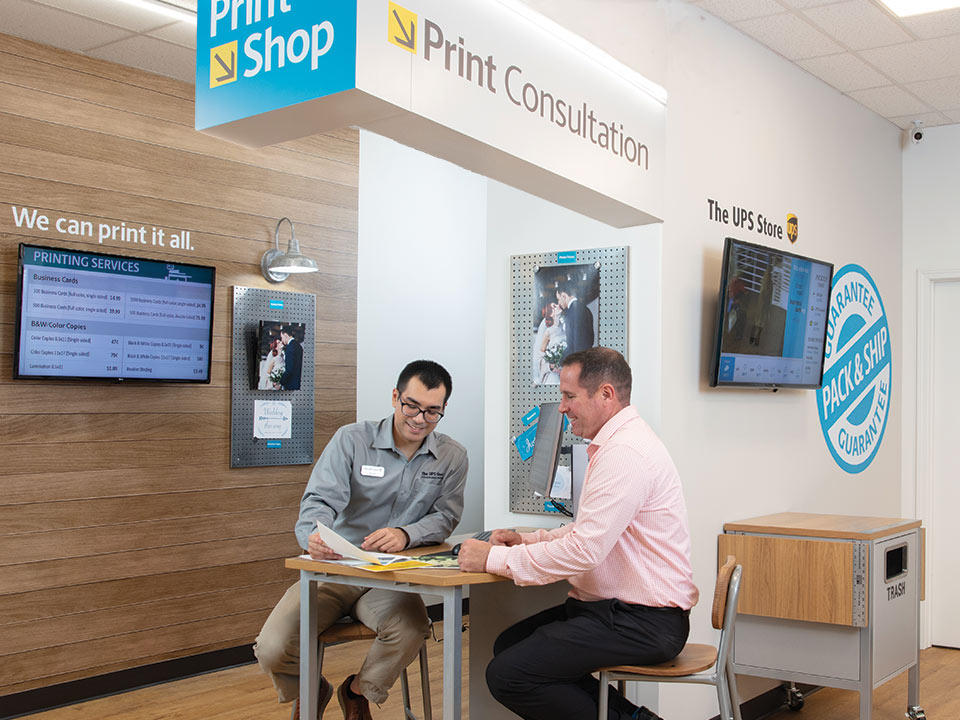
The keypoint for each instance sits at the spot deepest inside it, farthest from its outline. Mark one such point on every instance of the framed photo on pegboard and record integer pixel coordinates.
(562, 302)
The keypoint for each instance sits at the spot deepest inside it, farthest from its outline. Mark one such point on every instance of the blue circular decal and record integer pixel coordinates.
(854, 401)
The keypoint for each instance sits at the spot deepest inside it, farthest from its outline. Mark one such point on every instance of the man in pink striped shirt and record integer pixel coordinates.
(626, 556)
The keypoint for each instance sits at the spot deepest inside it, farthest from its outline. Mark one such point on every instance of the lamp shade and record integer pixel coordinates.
(276, 264)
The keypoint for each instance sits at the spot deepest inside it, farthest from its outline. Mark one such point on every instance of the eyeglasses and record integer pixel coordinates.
(411, 411)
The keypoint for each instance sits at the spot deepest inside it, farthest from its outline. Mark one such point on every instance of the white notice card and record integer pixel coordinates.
(272, 418)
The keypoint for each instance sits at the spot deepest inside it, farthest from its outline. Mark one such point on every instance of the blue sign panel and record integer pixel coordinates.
(854, 400)
(261, 55)
(566, 257)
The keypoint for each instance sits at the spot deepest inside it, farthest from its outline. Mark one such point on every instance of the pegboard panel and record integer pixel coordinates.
(250, 306)
(600, 275)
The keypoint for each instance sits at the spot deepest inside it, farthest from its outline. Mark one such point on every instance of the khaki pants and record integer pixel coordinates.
(399, 619)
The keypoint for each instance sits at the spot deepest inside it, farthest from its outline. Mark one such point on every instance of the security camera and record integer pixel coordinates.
(916, 131)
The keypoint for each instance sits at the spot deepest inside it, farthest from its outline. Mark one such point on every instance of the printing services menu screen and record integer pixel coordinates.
(89, 315)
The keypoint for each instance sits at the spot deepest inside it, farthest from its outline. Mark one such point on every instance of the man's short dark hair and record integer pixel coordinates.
(291, 330)
(431, 374)
(600, 365)
(568, 287)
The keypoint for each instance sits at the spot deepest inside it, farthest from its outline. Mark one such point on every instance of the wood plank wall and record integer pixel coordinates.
(125, 537)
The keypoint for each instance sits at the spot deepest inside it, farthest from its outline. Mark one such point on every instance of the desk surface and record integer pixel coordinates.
(434, 577)
(853, 527)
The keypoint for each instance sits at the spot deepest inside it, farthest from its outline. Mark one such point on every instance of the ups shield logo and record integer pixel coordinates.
(792, 227)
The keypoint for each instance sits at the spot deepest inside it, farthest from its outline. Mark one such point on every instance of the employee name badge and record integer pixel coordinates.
(371, 470)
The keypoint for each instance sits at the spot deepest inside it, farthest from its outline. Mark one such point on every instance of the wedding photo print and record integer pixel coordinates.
(565, 316)
(280, 352)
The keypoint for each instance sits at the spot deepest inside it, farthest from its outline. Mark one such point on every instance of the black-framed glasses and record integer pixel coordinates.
(411, 411)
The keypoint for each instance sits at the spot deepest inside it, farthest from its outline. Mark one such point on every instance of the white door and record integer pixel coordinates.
(943, 590)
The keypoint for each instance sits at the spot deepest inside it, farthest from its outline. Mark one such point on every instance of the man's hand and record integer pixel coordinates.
(505, 537)
(473, 555)
(319, 550)
(388, 540)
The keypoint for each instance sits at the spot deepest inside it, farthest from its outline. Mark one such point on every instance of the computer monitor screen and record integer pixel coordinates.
(546, 448)
(771, 319)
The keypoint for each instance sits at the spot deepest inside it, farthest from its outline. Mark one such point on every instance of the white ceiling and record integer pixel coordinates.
(902, 69)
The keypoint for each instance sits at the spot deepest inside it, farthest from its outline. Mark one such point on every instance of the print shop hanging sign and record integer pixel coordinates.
(854, 400)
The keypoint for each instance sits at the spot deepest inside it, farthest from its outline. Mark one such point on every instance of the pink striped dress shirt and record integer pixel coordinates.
(630, 539)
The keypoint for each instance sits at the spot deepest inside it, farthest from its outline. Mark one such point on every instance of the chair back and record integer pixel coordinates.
(725, 598)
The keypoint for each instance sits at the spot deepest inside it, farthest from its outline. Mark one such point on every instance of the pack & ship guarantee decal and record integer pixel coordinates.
(854, 400)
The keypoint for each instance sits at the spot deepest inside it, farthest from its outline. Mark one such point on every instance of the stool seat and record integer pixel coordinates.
(343, 631)
(692, 659)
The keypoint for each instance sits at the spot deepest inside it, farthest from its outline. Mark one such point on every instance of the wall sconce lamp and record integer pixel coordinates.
(276, 265)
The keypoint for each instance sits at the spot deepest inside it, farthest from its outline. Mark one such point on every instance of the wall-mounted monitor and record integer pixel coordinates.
(86, 315)
(772, 318)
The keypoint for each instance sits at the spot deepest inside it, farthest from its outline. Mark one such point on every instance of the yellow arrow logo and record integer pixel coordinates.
(223, 64)
(402, 27)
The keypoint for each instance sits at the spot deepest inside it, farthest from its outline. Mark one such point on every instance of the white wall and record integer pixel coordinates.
(744, 127)
(931, 244)
(421, 280)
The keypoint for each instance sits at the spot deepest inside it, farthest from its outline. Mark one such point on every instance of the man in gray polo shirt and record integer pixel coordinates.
(385, 486)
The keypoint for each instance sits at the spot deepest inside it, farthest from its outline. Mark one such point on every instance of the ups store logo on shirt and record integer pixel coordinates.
(431, 475)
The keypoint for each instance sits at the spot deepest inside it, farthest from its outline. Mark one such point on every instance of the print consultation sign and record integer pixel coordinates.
(489, 85)
(854, 400)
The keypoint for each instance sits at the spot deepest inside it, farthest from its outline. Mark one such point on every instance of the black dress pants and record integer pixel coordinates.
(541, 666)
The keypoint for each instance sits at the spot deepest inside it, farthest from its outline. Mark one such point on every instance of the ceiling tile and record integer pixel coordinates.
(115, 13)
(918, 60)
(889, 101)
(858, 24)
(943, 93)
(845, 72)
(954, 115)
(932, 25)
(152, 55)
(801, 4)
(51, 26)
(179, 33)
(790, 36)
(734, 10)
(927, 119)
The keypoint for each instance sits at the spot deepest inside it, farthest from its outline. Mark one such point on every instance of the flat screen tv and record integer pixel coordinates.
(83, 315)
(772, 318)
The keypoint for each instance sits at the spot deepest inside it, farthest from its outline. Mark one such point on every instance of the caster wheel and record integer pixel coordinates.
(794, 699)
(916, 713)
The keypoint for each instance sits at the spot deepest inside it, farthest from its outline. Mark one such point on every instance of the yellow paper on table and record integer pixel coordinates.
(399, 565)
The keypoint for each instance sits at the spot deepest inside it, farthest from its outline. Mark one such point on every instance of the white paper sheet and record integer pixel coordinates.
(342, 546)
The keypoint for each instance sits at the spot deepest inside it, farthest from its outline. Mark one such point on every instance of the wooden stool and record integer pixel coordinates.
(692, 662)
(348, 630)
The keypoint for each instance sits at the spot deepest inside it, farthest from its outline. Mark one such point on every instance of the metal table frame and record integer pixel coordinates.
(450, 590)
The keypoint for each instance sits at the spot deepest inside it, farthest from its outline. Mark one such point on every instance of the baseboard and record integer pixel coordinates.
(767, 703)
(52, 696)
(69, 693)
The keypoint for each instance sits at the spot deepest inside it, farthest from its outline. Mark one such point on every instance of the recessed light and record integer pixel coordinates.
(164, 8)
(906, 8)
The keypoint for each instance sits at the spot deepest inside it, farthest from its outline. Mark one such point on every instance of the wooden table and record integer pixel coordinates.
(447, 583)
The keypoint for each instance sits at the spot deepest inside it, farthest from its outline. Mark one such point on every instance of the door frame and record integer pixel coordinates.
(927, 281)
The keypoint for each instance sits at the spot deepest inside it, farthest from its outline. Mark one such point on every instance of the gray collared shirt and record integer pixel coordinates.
(423, 495)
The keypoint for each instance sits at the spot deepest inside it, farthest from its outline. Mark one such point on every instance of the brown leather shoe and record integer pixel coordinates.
(353, 708)
(323, 699)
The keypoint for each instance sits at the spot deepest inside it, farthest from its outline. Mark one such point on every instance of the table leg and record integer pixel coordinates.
(452, 651)
(309, 673)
